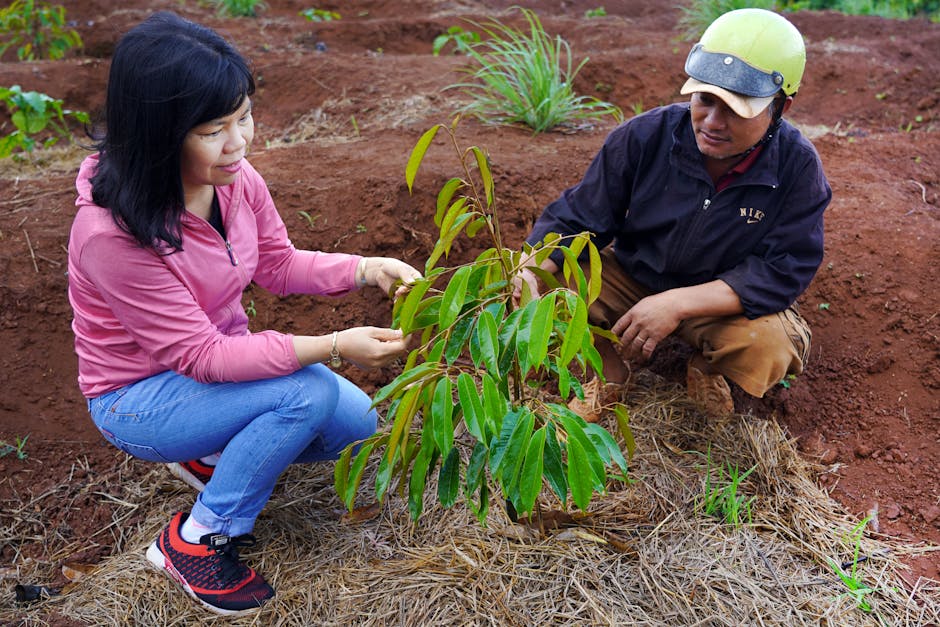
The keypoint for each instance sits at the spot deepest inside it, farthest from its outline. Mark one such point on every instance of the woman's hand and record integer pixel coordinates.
(370, 347)
(384, 272)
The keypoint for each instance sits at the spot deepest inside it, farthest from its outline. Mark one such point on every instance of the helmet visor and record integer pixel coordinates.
(731, 73)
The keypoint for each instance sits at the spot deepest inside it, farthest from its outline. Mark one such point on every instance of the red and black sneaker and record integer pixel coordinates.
(195, 473)
(210, 571)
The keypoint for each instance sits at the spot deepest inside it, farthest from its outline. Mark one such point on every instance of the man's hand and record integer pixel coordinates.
(645, 325)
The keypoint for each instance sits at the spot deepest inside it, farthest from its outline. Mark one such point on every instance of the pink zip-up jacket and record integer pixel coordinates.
(138, 313)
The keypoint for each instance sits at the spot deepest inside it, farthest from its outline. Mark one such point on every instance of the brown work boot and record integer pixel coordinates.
(596, 397)
(710, 391)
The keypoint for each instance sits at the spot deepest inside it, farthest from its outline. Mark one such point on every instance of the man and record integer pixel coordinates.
(714, 212)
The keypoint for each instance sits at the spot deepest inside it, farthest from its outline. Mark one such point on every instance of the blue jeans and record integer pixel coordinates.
(260, 427)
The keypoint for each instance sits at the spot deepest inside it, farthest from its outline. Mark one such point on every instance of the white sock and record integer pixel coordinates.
(192, 530)
(211, 460)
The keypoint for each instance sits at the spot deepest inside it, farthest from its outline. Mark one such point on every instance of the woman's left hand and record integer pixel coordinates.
(384, 272)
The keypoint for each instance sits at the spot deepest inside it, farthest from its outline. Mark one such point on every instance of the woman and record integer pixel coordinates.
(173, 223)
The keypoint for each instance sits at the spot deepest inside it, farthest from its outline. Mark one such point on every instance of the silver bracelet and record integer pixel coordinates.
(335, 360)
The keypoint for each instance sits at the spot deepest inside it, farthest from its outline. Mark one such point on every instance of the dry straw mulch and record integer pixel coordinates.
(644, 554)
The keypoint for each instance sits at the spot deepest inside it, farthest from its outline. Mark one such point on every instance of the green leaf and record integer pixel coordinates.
(418, 482)
(515, 451)
(579, 474)
(476, 468)
(406, 378)
(606, 446)
(499, 448)
(355, 474)
(554, 468)
(448, 481)
(594, 285)
(454, 296)
(417, 155)
(442, 247)
(444, 197)
(483, 165)
(575, 427)
(495, 405)
(409, 306)
(489, 341)
(442, 409)
(471, 405)
(341, 472)
(541, 329)
(530, 481)
(574, 336)
(459, 335)
(623, 422)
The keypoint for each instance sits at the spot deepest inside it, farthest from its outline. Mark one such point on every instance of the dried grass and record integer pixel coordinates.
(643, 555)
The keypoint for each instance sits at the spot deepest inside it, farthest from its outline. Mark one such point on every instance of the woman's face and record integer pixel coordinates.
(212, 152)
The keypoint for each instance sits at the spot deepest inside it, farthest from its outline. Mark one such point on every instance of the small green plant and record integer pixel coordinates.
(19, 447)
(320, 15)
(463, 40)
(473, 396)
(698, 14)
(857, 589)
(721, 498)
(250, 309)
(311, 220)
(37, 30)
(528, 78)
(239, 8)
(34, 115)
(361, 228)
(787, 381)
(598, 12)
(824, 306)
(637, 107)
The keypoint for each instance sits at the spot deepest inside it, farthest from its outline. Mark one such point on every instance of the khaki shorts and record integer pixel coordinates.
(756, 354)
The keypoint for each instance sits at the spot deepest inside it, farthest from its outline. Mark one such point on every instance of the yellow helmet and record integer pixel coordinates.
(750, 52)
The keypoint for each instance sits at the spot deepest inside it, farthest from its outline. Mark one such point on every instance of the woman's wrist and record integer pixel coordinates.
(362, 279)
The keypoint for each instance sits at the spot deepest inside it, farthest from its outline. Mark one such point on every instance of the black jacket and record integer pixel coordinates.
(647, 190)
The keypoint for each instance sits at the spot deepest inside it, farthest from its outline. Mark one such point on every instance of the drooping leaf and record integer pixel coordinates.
(448, 482)
(476, 469)
(623, 422)
(485, 175)
(489, 340)
(579, 474)
(441, 415)
(417, 155)
(418, 482)
(471, 404)
(511, 463)
(594, 284)
(530, 480)
(355, 474)
(554, 469)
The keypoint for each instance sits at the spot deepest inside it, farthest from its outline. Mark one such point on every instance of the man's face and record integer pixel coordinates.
(720, 132)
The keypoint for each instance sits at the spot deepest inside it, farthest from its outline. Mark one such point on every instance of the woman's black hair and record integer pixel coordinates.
(167, 76)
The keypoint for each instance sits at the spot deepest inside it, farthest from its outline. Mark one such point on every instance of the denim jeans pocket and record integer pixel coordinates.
(121, 429)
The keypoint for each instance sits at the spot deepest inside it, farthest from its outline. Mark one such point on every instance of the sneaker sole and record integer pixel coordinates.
(158, 561)
(186, 477)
